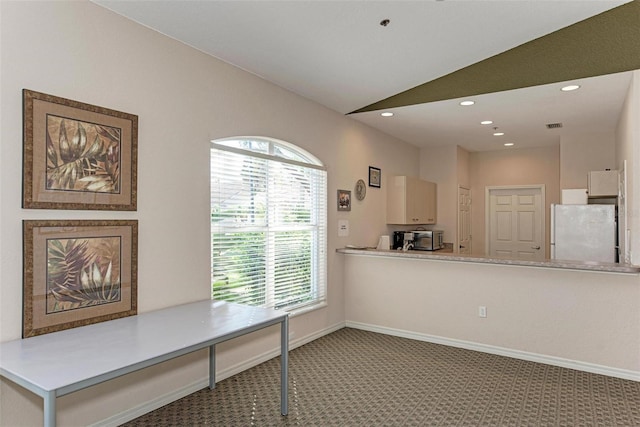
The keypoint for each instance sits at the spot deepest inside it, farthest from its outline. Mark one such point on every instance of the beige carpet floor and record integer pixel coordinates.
(358, 378)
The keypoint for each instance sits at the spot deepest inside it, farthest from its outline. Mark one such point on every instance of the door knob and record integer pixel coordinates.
(535, 247)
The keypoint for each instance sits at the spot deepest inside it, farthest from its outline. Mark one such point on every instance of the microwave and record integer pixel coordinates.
(428, 240)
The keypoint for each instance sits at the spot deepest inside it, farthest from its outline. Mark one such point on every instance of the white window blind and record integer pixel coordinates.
(268, 224)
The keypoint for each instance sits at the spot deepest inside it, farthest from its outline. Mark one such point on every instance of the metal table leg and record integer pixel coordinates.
(50, 409)
(212, 367)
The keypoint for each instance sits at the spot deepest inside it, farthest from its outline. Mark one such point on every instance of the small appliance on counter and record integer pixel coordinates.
(402, 240)
(383, 243)
(428, 240)
(421, 240)
(398, 240)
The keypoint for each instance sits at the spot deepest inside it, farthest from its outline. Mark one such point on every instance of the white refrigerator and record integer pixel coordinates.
(583, 233)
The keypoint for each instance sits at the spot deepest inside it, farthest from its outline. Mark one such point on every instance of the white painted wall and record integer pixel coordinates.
(587, 320)
(524, 166)
(440, 165)
(628, 148)
(183, 98)
(463, 168)
(566, 164)
(448, 167)
(584, 153)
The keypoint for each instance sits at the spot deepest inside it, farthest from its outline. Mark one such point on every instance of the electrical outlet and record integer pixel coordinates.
(482, 311)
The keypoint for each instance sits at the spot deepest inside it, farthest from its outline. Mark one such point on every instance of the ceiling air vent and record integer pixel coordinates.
(554, 125)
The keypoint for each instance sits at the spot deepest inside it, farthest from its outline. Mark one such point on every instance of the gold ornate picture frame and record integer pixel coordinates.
(78, 272)
(77, 155)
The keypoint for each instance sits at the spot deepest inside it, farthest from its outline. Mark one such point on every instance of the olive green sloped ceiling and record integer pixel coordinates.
(603, 44)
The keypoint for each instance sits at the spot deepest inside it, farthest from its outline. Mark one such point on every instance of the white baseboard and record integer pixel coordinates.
(174, 395)
(254, 361)
(501, 351)
(160, 401)
(151, 405)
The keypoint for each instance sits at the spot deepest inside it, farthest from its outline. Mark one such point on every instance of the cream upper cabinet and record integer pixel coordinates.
(603, 183)
(431, 203)
(411, 201)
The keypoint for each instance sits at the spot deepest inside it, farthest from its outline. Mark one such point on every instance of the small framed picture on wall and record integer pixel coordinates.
(374, 177)
(344, 200)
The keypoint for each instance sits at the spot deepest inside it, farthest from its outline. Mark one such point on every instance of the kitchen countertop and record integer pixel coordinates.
(448, 255)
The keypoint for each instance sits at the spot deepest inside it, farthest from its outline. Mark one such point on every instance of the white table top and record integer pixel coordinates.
(62, 359)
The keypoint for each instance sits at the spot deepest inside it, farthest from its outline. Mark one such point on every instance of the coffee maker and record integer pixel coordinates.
(398, 240)
(402, 239)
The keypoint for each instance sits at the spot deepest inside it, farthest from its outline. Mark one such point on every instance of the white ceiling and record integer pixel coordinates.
(522, 115)
(336, 53)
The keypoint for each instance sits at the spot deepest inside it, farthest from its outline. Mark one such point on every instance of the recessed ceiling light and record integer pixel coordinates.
(465, 103)
(570, 88)
(498, 134)
(508, 144)
(486, 122)
(387, 114)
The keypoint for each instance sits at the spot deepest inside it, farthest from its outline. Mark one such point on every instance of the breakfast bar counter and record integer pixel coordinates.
(583, 316)
(444, 255)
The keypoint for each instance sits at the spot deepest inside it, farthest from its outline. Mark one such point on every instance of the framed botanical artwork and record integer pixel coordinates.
(375, 176)
(77, 155)
(77, 273)
(344, 200)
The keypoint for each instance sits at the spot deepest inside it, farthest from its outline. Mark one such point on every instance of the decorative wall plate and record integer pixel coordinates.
(361, 190)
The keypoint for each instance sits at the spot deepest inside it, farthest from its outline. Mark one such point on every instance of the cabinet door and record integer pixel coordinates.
(431, 203)
(416, 203)
(421, 201)
(396, 200)
(411, 201)
(603, 183)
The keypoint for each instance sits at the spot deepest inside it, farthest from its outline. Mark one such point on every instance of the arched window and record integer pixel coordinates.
(268, 224)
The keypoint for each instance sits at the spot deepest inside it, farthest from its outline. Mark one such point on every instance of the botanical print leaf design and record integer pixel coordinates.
(82, 272)
(84, 157)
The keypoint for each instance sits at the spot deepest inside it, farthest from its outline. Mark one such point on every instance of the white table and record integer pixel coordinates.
(63, 362)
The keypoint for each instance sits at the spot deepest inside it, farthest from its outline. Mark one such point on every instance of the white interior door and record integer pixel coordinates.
(464, 220)
(515, 225)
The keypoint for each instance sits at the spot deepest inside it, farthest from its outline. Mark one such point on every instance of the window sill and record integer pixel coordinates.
(307, 309)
